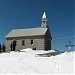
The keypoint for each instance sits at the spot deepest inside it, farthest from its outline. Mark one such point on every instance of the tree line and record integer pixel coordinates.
(2, 48)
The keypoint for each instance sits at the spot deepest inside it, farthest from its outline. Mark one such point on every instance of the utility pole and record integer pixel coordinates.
(69, 45)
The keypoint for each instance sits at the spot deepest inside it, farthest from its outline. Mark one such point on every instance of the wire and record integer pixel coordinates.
(63, 38)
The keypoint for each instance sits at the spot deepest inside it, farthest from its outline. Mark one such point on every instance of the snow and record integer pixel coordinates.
(27, 63)
(26, 50)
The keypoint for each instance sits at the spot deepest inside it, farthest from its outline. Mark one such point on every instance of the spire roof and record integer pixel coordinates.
(44, 15)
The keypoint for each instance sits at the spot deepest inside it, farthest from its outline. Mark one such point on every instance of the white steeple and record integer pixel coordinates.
(44, 21)
(44, 15)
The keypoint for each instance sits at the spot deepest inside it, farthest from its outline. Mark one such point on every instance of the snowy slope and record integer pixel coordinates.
(27, 63)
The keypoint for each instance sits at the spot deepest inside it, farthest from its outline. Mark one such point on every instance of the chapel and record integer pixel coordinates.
(36, 38)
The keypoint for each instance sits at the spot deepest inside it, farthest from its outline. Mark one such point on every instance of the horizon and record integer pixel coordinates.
(22, 14)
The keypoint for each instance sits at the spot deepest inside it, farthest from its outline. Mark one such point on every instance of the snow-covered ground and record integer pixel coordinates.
(25, 62)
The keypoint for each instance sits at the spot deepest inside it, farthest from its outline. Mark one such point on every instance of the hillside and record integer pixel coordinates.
(26, 62)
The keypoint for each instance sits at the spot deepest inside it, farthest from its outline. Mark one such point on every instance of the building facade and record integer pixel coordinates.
(35, 38)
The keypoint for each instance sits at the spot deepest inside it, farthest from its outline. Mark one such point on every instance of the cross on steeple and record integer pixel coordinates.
(69, 45)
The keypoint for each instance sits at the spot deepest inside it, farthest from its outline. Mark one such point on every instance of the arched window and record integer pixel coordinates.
(23, 42)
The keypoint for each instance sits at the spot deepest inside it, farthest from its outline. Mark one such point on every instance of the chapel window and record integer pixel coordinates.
(23, 42)
(31, 42)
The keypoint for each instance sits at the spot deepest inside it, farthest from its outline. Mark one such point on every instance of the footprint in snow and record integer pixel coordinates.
(57, 66)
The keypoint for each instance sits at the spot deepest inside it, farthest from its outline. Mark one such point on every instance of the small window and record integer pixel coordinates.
(31, 42)
(23, 42)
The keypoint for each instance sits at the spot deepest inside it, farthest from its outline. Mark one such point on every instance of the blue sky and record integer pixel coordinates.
(18, 14)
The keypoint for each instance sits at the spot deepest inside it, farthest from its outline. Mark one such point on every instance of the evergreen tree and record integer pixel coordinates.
(0, 47)
(3, 48)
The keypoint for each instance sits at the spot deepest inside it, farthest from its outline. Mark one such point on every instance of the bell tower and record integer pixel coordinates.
(44, 21)
(48, 37)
